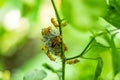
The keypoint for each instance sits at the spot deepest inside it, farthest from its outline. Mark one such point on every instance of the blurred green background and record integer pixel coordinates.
(21, 22)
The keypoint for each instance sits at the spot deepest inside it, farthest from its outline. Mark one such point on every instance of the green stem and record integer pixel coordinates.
(62, 47)
(56, 13)
(63, 70)
(83, 52)
(58, 17)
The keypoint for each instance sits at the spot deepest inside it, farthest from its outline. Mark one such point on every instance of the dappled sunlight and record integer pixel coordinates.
(11, 20)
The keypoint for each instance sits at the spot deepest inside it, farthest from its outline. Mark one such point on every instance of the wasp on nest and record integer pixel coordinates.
(52, 40)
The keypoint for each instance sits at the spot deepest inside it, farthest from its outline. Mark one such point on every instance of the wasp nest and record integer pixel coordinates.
(52, 42)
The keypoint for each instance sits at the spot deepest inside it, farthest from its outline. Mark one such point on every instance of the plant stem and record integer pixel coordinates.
(83, 52)
(62, 47)
(63, 69)
(55, 9)
(58, 17)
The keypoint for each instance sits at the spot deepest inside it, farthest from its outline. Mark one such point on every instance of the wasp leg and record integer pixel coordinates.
(50, 56)
(56, 41)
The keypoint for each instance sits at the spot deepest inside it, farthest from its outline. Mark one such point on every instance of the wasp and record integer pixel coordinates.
(72, 61)
(63, 23)
(54, 22)
(46, 30)
(56, 41)
(50, 56)
(48, 53)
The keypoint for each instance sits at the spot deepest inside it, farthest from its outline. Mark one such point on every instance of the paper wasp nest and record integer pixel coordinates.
(52, 42)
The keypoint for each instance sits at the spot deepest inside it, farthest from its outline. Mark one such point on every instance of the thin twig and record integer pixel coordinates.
(83, 52)
(58, 17)
(62, 47)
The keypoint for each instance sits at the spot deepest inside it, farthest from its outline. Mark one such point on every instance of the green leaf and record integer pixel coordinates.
(115, 56)
(58, 72)
(114, 53)
(35, 75)
(96, 7)
(115, 4)
(98, 69)
(113, 17)
(113, 13)
(83, 14)
(48, 67)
